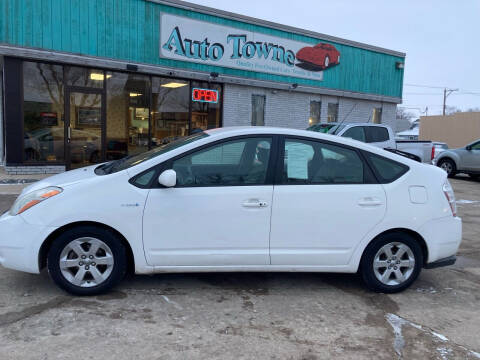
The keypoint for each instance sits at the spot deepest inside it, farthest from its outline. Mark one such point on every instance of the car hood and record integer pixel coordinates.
(64, 179)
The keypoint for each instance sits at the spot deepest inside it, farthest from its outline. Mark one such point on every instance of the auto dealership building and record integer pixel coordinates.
(93, 80)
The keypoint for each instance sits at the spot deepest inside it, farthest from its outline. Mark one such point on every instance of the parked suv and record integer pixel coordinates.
(462, 160)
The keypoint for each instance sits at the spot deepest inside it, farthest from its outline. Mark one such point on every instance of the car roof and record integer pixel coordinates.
(365, 124)
(252, 130)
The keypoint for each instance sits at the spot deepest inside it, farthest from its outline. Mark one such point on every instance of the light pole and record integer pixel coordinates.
(446, 93)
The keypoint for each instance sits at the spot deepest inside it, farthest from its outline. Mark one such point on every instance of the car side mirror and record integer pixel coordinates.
(168, 178)
(469, 147)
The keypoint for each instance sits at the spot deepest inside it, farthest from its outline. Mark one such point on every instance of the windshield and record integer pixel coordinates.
(132, 160)
(336, 129)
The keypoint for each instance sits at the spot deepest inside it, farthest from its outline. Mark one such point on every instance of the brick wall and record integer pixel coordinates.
(23, 170)
(292, 108)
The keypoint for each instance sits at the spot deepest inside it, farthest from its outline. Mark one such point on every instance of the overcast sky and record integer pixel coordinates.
(440, 37)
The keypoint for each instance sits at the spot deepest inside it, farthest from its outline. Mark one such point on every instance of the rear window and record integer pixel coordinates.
(376, 134)
(355, 133)
(386, 170)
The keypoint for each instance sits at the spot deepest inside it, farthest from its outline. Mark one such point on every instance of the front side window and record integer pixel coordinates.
(355, 133)
(231, 163)
(311, 162)
(258, 110)
(332, 115)
(476, 146)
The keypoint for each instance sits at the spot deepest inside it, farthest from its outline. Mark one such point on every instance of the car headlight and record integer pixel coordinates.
(26, 201)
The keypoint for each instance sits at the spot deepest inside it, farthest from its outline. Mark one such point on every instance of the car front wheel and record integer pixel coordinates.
(87, 260)
(391, 263)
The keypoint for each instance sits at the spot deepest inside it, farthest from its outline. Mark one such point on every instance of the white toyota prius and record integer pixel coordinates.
(237, 199)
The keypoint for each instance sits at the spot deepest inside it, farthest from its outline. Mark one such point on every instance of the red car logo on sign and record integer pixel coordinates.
(318, 57)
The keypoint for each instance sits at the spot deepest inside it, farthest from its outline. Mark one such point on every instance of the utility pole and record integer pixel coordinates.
(446, 93)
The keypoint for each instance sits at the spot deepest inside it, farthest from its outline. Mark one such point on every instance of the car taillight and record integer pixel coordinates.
(433, 153)
(449, 194)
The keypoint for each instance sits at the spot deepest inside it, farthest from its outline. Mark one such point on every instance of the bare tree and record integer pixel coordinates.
(449, 110)
(403, 114)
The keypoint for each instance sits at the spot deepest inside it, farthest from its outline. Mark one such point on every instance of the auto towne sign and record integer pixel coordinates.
(203, 42)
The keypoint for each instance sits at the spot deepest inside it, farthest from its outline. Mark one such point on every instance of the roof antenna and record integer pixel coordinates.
(346, 116)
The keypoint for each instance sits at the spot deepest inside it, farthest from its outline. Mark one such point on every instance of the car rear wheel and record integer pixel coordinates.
(449, 167)
(87, 260)
(391, 263)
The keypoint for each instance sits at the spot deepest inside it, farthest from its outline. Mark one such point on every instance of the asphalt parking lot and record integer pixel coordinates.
(245, 316)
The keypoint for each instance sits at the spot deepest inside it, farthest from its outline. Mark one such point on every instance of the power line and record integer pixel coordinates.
(425, 86)
(469, 92)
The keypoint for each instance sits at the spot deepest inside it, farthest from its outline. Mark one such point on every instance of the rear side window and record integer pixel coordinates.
(356, 133)
(386, 170)
(312, 162)
(376, 134)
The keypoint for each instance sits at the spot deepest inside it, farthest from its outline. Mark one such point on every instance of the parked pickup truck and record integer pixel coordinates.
(378, 135)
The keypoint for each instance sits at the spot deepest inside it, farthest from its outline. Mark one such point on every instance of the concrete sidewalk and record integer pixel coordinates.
(14, 184)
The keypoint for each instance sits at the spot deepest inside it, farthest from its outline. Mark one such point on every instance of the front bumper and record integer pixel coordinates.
(443, 237)
(20, 243)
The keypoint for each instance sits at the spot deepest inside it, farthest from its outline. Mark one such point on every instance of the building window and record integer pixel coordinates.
(170, 109)
(84, 77)
(315, 108)
(332, 113)
(206, 112)
(258, 110)
(377, 116)
(43, 112)
(128, 108)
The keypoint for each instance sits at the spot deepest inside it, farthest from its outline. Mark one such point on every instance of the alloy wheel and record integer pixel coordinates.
(86, 262)
(447, 166)
(394, 263)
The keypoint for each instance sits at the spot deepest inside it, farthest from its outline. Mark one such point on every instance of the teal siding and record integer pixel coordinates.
(129, 30)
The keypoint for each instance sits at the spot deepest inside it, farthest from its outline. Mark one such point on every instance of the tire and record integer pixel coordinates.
(474, 176)
(100, 270)
(372, 275)
(449, 166)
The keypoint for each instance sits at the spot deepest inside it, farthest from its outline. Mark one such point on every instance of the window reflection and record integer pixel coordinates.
(128, 97)
(84, 77)
(43, 108)
(170, 109)
(206, 115)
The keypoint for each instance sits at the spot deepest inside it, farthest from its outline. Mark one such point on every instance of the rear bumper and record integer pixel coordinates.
(443, 237)
(442, 262)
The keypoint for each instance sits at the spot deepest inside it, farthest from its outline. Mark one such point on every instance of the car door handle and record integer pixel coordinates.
(254, 203)
(370, 202)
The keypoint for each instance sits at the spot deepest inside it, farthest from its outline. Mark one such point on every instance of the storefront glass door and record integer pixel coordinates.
(85, 127)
